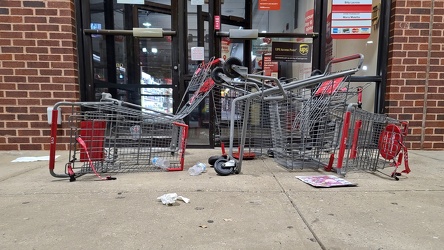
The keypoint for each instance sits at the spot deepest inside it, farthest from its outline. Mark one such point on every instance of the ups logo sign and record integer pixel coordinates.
(304, 49)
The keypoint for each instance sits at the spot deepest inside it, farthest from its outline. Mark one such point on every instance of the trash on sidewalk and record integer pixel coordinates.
(197, 169)
(161, 163)
(168, 199)
(33, 159)
(325, 181)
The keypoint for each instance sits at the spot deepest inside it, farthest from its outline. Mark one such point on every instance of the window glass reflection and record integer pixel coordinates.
(159, 99)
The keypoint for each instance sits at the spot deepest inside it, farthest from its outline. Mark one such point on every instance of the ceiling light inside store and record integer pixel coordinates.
(147, 24)
(144, 50)
(369, 42)
(96, 58)
(264, 31)
(364, 67)
(154, 50)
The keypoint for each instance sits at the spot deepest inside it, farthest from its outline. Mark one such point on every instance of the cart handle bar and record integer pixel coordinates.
(314, 79)
(345, 59)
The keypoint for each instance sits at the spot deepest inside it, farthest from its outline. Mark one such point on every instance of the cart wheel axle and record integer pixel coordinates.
(228, 69)
(215, 75)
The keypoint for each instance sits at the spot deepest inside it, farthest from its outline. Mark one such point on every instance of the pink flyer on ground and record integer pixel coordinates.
(325, 181)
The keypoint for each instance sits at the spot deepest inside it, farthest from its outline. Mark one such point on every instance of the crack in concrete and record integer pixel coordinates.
(19, 173)
(301, 215)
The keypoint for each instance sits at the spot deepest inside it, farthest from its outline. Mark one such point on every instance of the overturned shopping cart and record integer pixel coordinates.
(371, 142)
(113, 136)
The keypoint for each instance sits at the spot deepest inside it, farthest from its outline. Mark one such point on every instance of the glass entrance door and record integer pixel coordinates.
(204, 122)
(155, 61)
(197, 36)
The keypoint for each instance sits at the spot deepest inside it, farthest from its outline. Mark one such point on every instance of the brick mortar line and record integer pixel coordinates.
(426, 87)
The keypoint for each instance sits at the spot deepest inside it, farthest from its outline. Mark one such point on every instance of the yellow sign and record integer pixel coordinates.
(304, 49)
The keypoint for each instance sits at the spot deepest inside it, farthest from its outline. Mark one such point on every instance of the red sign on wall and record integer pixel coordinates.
(351, 19)
(309, 15)
(270, 67)
(217, 22)
(269, 4)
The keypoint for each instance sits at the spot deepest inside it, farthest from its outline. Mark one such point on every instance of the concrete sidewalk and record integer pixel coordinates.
(265, 207)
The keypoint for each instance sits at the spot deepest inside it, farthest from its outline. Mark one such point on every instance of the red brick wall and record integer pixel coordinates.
(38, 67)
(415, 90)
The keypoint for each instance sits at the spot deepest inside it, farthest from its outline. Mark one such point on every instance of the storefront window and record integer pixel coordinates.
(98, 42)
(159, 99)
(234, 8)
(292, 17)
(193, 37)
(368, 47)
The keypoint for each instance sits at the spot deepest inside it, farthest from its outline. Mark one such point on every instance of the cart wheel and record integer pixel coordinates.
(219, 167)
(270, 153)
(214, 158)
(228, 70)
(215, 75)
(395, 176)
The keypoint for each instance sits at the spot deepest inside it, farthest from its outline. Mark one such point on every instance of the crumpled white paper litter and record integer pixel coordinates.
(168, 199)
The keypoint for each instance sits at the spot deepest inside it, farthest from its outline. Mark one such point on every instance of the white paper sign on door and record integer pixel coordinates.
(197, 53)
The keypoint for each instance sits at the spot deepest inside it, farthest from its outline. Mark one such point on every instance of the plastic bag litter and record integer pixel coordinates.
(168, 199)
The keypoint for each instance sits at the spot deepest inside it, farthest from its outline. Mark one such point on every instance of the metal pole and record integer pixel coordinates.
(271, 35)
(121, 32)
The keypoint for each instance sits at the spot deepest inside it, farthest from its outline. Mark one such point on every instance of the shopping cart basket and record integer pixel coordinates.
(371, 142)
(303, 118)
(200, 85)
(113, 136)
(258, 133)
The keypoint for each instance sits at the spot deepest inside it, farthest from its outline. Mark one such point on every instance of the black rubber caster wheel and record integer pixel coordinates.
(228, 69)
(395, 176)
(214, 158)
(215, 75)
(219, 167)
